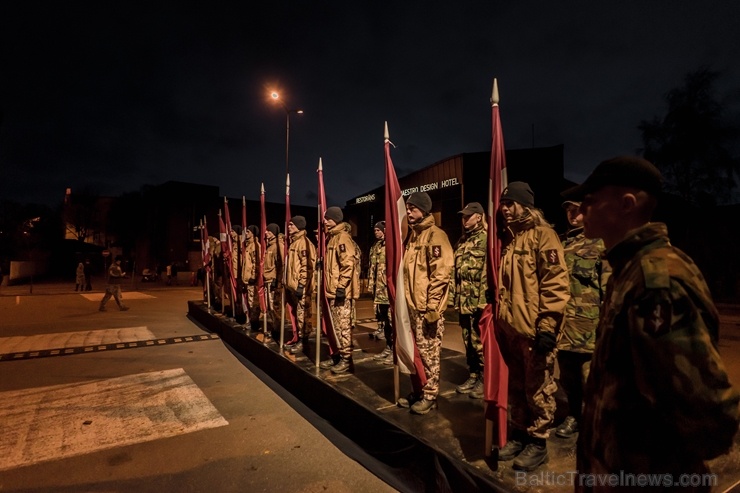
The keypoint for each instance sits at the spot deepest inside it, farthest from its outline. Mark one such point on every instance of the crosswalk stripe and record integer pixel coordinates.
(50, 423)
(19, 344)
(125, 296)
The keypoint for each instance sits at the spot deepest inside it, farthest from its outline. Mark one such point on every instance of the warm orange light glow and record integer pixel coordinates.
(275, 95)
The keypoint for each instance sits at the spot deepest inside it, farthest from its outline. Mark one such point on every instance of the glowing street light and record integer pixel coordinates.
(274, 95)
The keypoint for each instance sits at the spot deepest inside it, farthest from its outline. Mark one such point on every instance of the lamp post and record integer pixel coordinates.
(288, 111)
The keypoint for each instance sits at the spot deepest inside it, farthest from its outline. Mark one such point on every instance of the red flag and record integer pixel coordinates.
(288, 308)
(263, 247)
(495, 371)
(327, 324)
(407, 354)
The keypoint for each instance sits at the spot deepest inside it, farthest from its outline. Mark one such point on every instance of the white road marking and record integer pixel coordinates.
(125, 295)
(21, 344)
(60, 421)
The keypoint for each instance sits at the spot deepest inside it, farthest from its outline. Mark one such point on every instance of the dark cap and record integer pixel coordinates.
(254, 229)
(334, 213)
(273, 228)
(622, 171)
(472, 208)
(520, 192)
(567, 203)
(380, 225)
(299, 222)
(420, 200)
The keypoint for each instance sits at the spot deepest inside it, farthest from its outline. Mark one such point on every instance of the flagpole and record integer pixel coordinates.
(208, 281)
(285, 264)
(232, 281)
(223, 258)
(396, 369)
(319, 275)
(261, 278)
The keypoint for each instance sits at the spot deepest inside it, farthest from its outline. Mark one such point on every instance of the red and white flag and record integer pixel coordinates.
(228, 257)
(327, 324)
(263, 247)
(407, 354)
(495, 371)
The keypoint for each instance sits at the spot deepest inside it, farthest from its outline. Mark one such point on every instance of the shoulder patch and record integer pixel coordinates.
(552, 256)
(436, 251)
(342, 247)
(655, 272)
(303, 253)
(658, 318)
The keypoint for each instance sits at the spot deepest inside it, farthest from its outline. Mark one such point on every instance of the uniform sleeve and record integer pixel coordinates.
(441, 263)
(679, 370)
(346, 257)
(554, 287)
(304, 260)
(371, 270)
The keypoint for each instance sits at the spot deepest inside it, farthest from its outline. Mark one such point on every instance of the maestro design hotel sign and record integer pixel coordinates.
(427, 187)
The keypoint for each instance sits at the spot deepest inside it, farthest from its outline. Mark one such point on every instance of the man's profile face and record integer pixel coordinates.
(292, 229)
(269, 235)
(469, 221)
(575, 217)
(601, 212)
(329, 224)
(413, 214)
(379, 234)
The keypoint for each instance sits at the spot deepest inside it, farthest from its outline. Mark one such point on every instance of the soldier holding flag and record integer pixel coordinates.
(427, 264)
(299, 282)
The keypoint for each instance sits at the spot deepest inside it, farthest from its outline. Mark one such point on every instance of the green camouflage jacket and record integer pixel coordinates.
(470, 271)
(376, 281)
(658, 399)
(588, 274)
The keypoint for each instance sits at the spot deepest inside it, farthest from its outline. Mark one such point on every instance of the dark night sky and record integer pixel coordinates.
(116, 96)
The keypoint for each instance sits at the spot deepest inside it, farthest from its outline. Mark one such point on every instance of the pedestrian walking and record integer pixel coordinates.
(115, 277)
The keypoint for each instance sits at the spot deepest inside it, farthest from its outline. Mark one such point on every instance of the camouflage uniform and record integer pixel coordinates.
(533, 292)
(299, 276)
(427, 265)
(273, 275)
(470, 292)
(342, 271)
(658, 399)
(250, 262)
(588, 275)
(378, 286)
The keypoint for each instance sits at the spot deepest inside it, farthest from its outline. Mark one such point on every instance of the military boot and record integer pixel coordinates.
(468, 385)
(344, 365)
(328, 363)
(533, 455)
(477, 390)
(383, 355)
(408, 401)
(513, 447)
(423, 406)
(568, 428)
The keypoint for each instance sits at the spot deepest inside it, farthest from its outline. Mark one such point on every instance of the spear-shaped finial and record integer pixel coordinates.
(287, 184)
(219, 213)
(494, 94)
(225, 201)
(321, 166)
(244, 200)
(262, 188)
(386, 135)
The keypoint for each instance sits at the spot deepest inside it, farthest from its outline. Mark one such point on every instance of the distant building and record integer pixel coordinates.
(453, 182)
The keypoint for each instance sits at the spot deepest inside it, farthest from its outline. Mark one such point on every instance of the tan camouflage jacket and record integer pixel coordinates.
(376, 281)
(658, 399)
(342, 263)
(470, 277)
(250, 261)
(533, 279)
(588, 274)
(301, 263)
(427, 266)
(274, 256)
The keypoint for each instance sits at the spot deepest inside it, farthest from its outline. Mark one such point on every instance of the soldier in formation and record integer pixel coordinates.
(341, 285)
(532, 294)
(470, 283)
(427, 266)
(299, 281)
(377, 286)
(588, 274)
(273, 273)
(658, 399)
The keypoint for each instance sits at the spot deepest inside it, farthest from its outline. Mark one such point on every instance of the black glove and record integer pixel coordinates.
(252, 282)
(273, 284)
(299, 292)
(544, 342)
(340, 295)
(489, 296)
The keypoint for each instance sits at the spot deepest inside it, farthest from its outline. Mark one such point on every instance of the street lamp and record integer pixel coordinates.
(288, 111)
